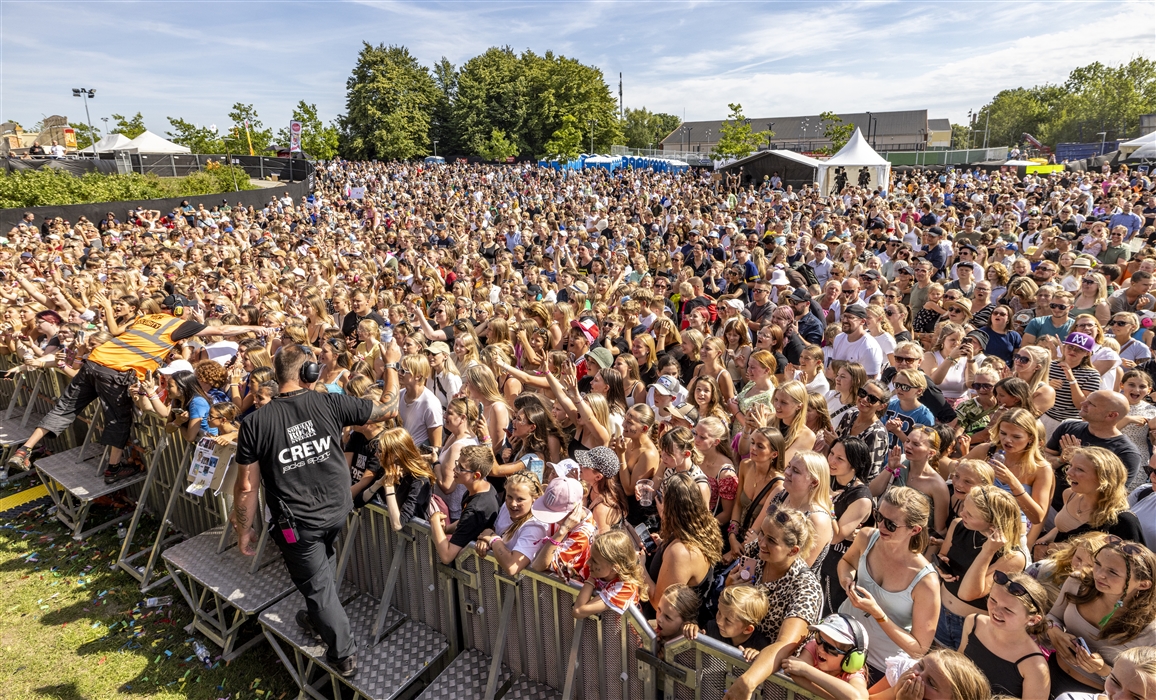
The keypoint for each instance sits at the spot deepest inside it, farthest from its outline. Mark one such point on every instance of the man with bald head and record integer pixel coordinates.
(1099, 414)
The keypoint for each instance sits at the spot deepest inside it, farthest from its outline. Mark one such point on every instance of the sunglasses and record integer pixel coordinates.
(886, 523)
(1022, 359)
(830, 648)
(1058, 307)
(1087, 281)
(901, 358)
(982, 387)
(1129, 548)
(1016, 589)
(459, 470)
(903, 387)
(1118, 323)
(870, 399)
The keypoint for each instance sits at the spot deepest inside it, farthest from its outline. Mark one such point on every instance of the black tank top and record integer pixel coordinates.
(1004, 676)
(965, 546)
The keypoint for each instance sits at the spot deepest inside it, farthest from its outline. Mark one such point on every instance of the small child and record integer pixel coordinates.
(266, 392)
(677, 607)
(833, 663)
(223, 417)
(1069, 557)
(615, 574)
(740, 610)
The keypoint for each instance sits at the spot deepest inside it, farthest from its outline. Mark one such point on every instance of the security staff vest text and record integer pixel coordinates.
(142, 348)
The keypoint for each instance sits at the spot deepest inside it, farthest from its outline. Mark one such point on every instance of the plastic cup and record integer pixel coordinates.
(644, 489)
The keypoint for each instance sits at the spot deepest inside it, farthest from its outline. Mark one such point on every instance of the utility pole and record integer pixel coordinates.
(986, 126)
(621, 104)
(87, 94)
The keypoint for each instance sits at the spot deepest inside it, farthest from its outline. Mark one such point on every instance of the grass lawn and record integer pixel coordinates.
(71, 628)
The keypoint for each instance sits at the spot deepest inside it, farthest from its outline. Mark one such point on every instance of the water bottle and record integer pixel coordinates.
(121, 532)
(202, 653)
(386, 334)
(159, 601)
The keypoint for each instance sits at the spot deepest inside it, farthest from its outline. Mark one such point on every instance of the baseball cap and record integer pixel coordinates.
(856, 310)
(172, 301)
(588, 328)
(438, 348)
(842, 629)
(601, 459)
(1082, 341)
(562, 496)
(667, 386)
(177, 366)
(734, 304)
(800, 295)
(979, 337)
(935, 231)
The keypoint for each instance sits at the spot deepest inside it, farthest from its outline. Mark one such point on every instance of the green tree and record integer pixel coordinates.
(835, 131)
(199, 139)
(389, 103)
(442, 124)
(498, 147)
(736, 139)
(130, 127)
(566, 143)
(959, 134)
(317, 139)
(645, 129)
(558, 87)
(491, 96)
(85, 136)
(237, 140)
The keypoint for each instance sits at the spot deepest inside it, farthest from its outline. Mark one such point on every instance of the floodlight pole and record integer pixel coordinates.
(86, 95)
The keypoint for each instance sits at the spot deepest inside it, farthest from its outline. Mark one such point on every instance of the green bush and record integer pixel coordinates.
(49, 187)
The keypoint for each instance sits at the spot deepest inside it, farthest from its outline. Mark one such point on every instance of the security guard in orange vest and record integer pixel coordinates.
(111, 370)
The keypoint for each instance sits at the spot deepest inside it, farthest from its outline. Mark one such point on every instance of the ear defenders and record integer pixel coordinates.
(310, 371)
(856, 658)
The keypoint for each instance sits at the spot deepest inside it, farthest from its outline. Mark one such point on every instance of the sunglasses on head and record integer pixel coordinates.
(1120, 544)
(886, 523)
(1016, 589)
(863, 394)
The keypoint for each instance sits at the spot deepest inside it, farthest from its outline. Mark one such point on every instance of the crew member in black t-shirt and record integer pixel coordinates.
(293, 446)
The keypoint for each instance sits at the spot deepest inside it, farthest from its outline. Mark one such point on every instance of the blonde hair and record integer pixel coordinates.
(1111, 477)
(750, 603)
(482, 379)
(1001, 511)
(797, 392)
(399, 455)
(913, 377)
(981, 469)
(417, 365)
(1144, 659)
(796, 529)
(1065, 554)
(618, 550)
(1043, 360)
(967, 682)
(820, 471)
(696, 340)
(530, 479)
(1025, 421)
(601, 410)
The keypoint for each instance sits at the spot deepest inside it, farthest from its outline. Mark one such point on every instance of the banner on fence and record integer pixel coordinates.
(294, 137)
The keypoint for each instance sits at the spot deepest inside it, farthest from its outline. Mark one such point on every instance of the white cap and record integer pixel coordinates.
(177, 366)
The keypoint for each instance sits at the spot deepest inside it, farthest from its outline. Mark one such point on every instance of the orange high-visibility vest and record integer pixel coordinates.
(142, 348)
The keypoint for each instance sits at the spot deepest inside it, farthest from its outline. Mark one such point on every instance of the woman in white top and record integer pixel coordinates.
(445, 382)
(848, 381)
(810, 371)
(461, 422)
(948, 363)
(880, 329)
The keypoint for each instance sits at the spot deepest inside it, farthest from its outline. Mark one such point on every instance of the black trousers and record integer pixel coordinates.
(94, 382)
(312, 565)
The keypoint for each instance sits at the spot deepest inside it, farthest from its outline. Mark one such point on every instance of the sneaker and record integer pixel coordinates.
(347, 667)
(306, 624)
(121, 472)
(19, 460)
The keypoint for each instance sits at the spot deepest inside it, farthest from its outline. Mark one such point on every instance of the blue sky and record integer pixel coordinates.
(195, 59)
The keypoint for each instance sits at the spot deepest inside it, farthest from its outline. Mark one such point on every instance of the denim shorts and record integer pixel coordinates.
(949, 633)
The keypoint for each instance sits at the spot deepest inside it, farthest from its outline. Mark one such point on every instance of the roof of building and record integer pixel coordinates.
(810, 127)
(939, 124)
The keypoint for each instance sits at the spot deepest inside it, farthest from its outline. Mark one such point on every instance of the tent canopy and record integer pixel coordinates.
(856, 163)
(110, 143)
(794, 169)
(1143, 147)
(148, 142)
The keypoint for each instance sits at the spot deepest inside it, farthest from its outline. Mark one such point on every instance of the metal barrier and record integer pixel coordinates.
(705, 668)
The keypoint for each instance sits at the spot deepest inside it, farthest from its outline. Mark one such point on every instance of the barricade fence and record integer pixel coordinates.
(522, 627)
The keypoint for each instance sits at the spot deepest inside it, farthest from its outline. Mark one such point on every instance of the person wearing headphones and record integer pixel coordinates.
(111, 369)
(833, 663)
(293, 447)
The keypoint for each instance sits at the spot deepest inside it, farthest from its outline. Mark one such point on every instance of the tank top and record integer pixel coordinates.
(896, 604)
(965, 546)
(1004, 675)
(952, 385)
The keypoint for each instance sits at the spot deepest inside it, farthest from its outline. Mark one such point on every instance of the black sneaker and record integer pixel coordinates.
(347, 667)
(121, 472)
(306, 624)
(19, 460)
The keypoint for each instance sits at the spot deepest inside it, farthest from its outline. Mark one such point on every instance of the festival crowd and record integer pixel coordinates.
(892, 443)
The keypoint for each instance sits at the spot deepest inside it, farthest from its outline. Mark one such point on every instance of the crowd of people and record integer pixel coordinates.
(892, 443)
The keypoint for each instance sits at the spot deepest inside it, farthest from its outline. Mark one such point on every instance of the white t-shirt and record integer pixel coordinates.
(444, 386)
(865, 351)
(421, 415)
(529, 538)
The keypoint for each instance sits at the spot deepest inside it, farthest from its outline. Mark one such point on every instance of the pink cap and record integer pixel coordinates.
(562, 496)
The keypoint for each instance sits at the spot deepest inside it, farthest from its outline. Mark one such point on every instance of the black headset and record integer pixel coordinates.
(310, 371)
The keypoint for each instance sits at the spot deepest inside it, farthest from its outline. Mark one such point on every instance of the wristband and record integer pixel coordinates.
(1017, 495)
(554, 542)
(880, 620)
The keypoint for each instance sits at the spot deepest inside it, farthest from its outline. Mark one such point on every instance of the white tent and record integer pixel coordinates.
(855, 158)
(110, 144)
(148, 142)
(1143, 147)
